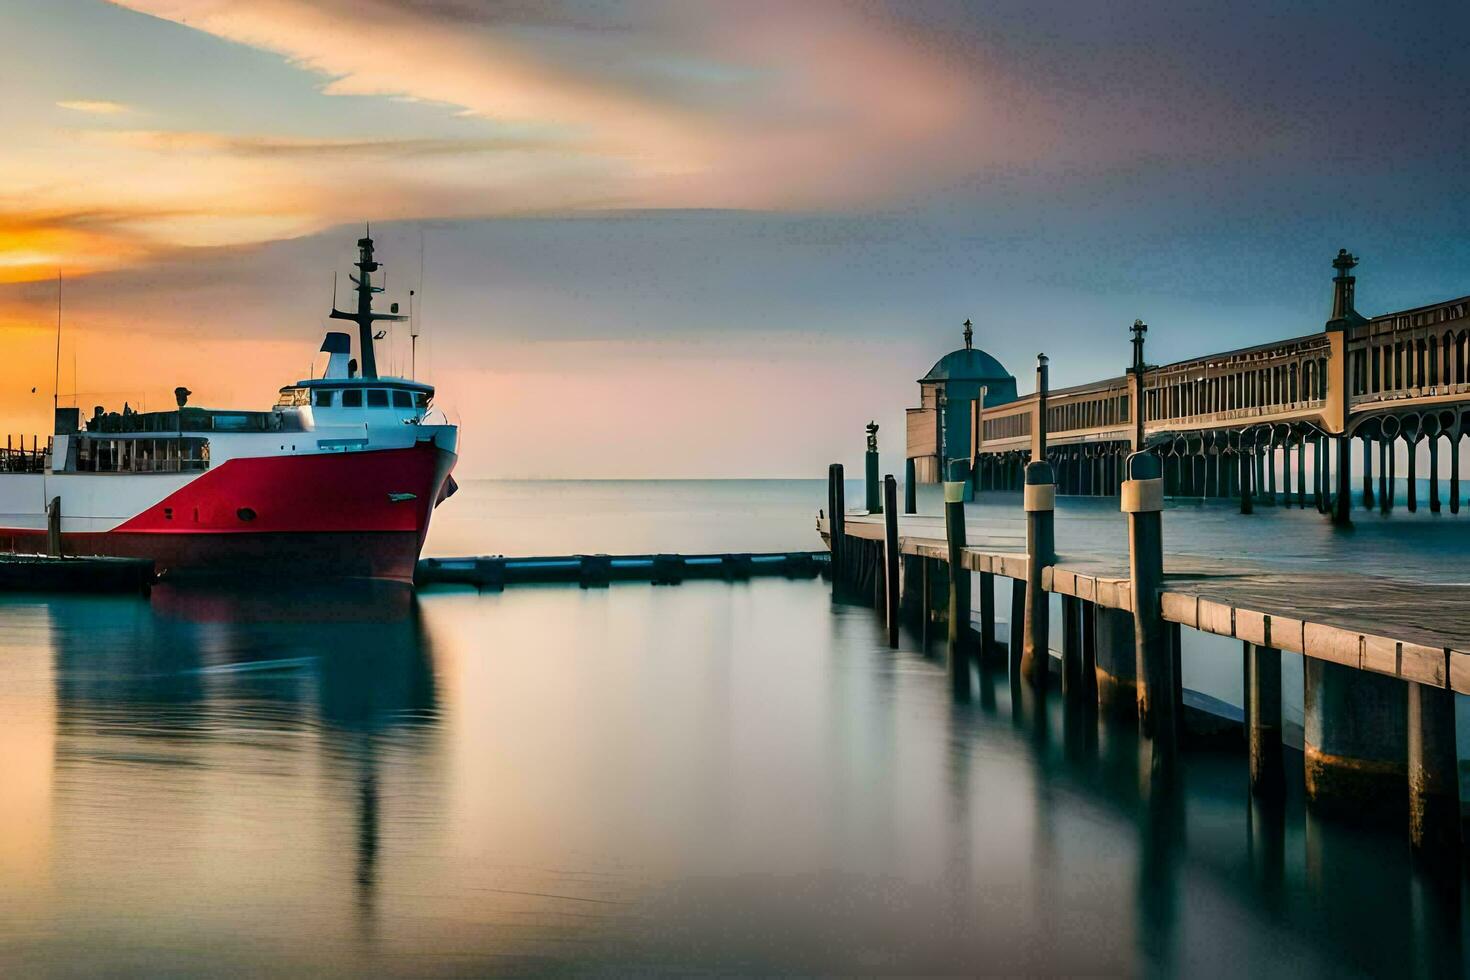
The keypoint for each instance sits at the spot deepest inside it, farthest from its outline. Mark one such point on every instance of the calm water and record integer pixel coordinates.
(704, 778)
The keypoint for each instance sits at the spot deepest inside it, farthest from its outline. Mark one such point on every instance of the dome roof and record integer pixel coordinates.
(967, 364)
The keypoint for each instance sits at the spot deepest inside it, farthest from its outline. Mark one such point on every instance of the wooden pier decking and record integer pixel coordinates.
(1414, 630)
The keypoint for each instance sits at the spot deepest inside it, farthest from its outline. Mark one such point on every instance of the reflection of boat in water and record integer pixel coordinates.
(323, 714)
(243, 600)
(338, 480)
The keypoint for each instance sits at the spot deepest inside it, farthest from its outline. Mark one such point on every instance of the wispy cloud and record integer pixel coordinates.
(96, 107)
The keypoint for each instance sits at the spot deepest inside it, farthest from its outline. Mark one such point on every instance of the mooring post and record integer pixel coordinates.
(1434, 786)
(53, 528)
(959, 576)
(1039, 500)
(1143, 502)
(1263, 715)
(837, 524)
(870, 471)
(890, 556)
(910, 487)
(1040, 504)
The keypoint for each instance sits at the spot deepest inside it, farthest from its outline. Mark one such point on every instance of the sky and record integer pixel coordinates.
(679, 238)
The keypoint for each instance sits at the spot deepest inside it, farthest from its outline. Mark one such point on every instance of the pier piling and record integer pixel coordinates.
(1143, 500)
(1263, 718)
(910, 487)
(987, 614)
(890, 557)
(1040, 505)
(1434, 789)
(1115, 663)
(959, 576)
(1354, 737)
(1018, 616)
(837, 507)
(1071, 649)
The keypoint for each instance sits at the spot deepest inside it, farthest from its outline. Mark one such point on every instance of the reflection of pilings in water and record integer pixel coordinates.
(1161, 841)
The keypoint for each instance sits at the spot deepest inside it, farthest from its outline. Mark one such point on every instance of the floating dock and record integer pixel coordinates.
(79, 573)
(591, 571)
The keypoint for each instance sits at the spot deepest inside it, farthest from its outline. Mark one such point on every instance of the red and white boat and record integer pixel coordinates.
(339, 479)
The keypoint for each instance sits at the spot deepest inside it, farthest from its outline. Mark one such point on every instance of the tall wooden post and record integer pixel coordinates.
(959, 576)
(910, 487)
(837, 523)
(890, 556)
(1143, 501)
(870, 472)
(1039, 502)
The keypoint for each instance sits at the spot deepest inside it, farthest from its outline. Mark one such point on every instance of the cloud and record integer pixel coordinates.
(96, 107)
(280, 147)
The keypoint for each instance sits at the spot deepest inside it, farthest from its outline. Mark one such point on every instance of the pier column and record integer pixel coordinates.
(1454, 472)
(1088, 634)
(1434, 786)
(1071, 648)
(910, 488)
(1317, 481)
(1386, 487)
(1412, 498)
(1040, 505)
(1115, 661)
(1271, 471)
(1367, 473)
(1301, 472)
(1018, 617)
(890, 556)
(1286, 473)
(1247, 471)
(1263, 716)
(1342, 506)
(959, 576)
(987, 614)
(1434, 473)
(1258, 483)
(1355, 742)
(836, 525)
(1143, 500)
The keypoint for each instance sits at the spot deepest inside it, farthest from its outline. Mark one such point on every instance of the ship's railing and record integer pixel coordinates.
(17, 458)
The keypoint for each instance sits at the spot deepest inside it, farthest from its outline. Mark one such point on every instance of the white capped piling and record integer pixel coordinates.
(890, 556)
(1143, 502)
(1040, 503)
(1434, 787)
(1039, 499)
(959, 576)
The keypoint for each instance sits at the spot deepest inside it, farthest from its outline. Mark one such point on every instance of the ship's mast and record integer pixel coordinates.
(364, 317)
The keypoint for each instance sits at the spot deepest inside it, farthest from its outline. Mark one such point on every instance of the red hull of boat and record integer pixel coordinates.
(339, 515)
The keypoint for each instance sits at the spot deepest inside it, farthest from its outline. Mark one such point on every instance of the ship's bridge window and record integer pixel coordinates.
(421, 400)
(352, 398)
(377, 398)
(322, 397)
(402, 399)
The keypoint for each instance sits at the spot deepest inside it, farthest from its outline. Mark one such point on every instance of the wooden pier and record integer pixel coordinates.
(591, 571)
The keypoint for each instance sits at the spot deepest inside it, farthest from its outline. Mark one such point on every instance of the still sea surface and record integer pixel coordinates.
(706, 778)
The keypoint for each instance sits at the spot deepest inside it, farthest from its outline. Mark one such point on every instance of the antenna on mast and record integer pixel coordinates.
(56, 378)
(413, 311)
